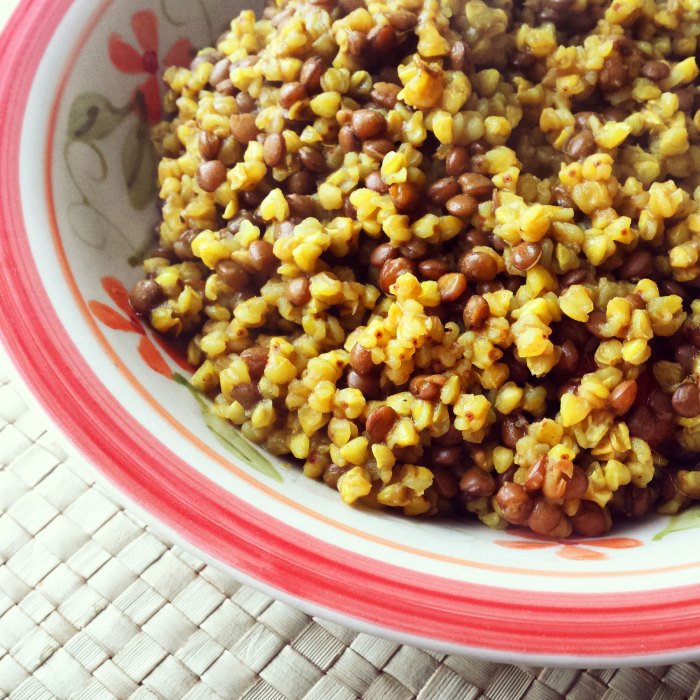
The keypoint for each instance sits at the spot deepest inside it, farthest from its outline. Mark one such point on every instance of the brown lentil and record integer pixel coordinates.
(478, 266)
(312, 160)
(596, 321)
(614, 74)
(572, 277)
(526, 255)
(452, 286)
(209, 145)
(686, 400)
(515, 503)
(385, 94)
(301, 205)
(243, 127)
(589, 520)
(244, 102)
(332, 473)
(392, 270)
(402, 20)
(655, 70)
(290, 93)
(379, 422)
(445, 482)
(361, 359)
(513, 428)
(298, 291)
(377, 148)
(581, 145)
(544, 518)
(636, 502)
(576, 485)
(445, 455)
(301, 182)
(233, 274)
(685, 356)
(261, 256)
(144, 296)
(569, 358)
(639, 264)
(450, 437)
(432, 269)
(442, 190)
(246, 394)
(183, 245)
(255, 358)
(686, 98)
(477, 483)
(348, 6)
(427, 387)
(348, 139)
(462, 205)
(375, 182)
(358, 44)
(415, 249)
(211, 174)
(459, 56)
(382, 41)
(382, 253)
(476, 312)
(623, 396)
(457, 161)
(310, 74)
(367, 384)
(220, 72)
(405, 196)
(476, 185)
(274, 150)
(367, 124)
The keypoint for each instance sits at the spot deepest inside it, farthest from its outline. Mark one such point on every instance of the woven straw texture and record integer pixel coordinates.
(94, 606)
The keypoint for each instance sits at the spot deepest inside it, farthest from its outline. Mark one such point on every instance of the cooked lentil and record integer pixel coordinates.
(445, 254)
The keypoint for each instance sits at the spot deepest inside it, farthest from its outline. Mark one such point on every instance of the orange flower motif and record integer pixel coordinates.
(144, 60)
(130, 322)
(569, 549)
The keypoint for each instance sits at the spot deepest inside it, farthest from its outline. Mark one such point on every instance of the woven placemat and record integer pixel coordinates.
(94, 606)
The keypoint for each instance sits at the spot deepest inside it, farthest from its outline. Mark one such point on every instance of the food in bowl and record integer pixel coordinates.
(444, 254)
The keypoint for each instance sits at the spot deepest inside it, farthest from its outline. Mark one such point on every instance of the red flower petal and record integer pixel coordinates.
(151, 97)
(173, 353)
(111, 318)
(180, 54)
(153, 358)
(118, 294)
(570, 551)
(125, 58)
(616, 543)
(516, 544)
(145, 26)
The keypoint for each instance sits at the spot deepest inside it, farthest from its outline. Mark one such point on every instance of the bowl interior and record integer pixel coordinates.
(102, 178)
(90, 147)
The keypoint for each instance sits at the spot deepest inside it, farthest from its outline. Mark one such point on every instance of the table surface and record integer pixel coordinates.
(93, 605)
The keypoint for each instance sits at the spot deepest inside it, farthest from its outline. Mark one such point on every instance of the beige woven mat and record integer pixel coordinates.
(95, 606)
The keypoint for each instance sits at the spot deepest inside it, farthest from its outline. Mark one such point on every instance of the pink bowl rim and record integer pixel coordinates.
(488, 621)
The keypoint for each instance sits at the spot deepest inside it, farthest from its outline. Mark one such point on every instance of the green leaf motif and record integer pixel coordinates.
(687, 520)
(228, 435)
(93, 117)
(139, 166)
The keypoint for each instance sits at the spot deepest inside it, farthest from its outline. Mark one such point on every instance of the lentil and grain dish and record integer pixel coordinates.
(445, 254)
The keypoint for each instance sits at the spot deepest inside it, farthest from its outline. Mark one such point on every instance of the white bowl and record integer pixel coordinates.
(77, 200)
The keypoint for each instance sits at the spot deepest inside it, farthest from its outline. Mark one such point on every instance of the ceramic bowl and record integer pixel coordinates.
(80, 87)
